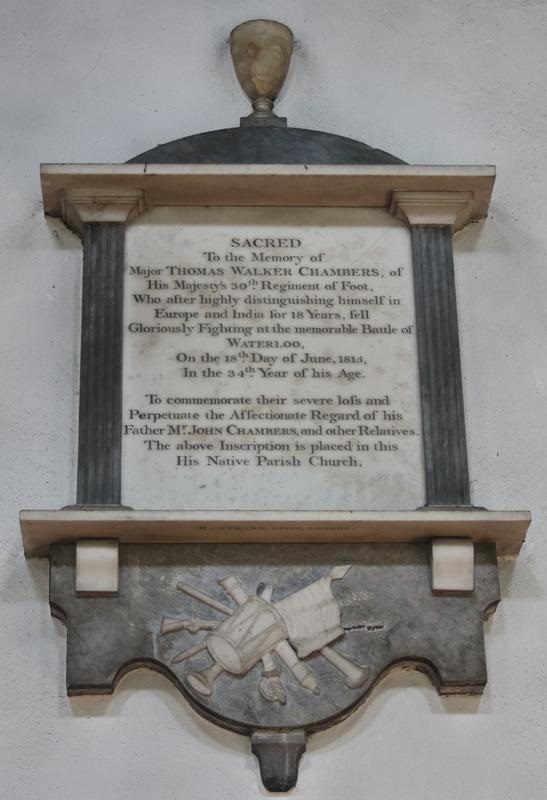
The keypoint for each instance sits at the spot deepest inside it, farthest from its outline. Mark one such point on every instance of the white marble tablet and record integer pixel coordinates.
(270, 361)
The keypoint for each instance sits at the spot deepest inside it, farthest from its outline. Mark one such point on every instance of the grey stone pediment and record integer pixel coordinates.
(265, 145)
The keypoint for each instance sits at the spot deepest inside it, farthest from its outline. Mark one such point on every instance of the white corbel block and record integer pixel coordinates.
(452, 566)
(81, 206)
(97, 568)
(433, 209)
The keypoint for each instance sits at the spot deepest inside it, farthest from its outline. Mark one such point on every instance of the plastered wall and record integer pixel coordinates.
(434, 82)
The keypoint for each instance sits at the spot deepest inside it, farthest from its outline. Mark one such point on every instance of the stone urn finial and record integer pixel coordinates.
(261, 51)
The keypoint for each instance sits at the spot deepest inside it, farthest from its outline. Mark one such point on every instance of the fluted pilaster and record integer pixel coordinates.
(100, 417)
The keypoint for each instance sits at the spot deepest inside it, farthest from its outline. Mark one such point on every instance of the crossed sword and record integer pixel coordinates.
(203, 681)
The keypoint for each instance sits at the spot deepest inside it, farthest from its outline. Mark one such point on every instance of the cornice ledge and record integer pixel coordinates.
(433, 209)
(81, 206)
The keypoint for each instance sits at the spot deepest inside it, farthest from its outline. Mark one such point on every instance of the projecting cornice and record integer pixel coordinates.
(118, 192)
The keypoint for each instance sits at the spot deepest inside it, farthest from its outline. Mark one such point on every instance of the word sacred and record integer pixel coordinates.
(236, 242)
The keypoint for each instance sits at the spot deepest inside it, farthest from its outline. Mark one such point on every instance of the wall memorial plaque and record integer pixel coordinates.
(273, 505)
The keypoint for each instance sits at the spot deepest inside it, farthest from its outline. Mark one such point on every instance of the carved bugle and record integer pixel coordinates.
(202, 682)
(355, 676)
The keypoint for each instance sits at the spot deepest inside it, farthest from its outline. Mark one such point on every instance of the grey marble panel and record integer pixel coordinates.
(274, 641)
(270, 145)
(387, 612)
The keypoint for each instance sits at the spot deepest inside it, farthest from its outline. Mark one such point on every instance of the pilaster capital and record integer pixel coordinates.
(87, 205)
(433, 209)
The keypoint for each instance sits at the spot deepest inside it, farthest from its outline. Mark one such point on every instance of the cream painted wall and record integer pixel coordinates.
(434, 82)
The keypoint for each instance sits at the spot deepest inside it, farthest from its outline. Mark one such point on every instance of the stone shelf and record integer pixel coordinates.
(40, 529)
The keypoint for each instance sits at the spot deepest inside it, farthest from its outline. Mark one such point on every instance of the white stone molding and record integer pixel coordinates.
(452, 566)
(307, 185)
(104, 204)
(434, 209)
(97, 567)
(40, 529)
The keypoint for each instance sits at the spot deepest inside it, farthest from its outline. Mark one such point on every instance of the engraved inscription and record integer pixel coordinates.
(270, 361)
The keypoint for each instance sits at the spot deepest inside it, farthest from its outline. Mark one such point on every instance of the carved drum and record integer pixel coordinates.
(246, 636)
